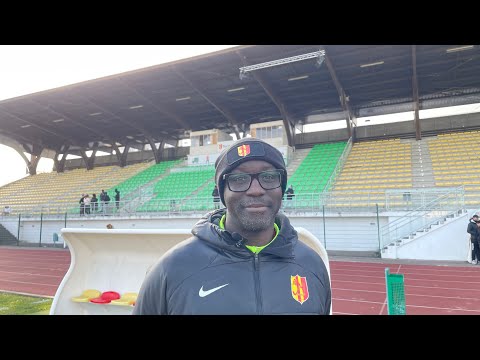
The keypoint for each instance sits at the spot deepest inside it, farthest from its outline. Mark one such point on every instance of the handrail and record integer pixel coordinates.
(336, 201)
(341, 161)
(422, 217)
(423, 207)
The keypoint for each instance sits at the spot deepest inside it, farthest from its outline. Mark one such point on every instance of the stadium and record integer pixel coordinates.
(392, 191)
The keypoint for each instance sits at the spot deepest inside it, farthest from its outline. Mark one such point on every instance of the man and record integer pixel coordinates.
(102, 200)
(245, 259)
(290, 193)
(7, 210)
(82, 205)
(117, 198)
(216, 197)
(474, 232)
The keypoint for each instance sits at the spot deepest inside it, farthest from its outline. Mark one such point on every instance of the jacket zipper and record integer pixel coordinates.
(256, 266)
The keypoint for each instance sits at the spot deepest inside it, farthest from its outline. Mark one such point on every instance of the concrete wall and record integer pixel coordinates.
(321, 137)
(447, 242)
(342, 232)
(399, 129)
(352, 232)
(30, 229)
(404, 128)
(451, 122)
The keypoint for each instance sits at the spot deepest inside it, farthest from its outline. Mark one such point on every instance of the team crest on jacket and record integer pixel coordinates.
(243, 150)
(299, 288)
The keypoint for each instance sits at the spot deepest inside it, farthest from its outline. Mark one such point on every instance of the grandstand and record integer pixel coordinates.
(399, 185)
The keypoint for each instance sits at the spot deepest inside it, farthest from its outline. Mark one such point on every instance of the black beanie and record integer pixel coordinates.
(244, 150)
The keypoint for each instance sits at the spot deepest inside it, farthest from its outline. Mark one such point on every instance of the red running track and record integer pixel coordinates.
(358, 288)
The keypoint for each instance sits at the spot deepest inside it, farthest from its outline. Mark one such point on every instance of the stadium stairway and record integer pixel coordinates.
(6, 237)
(207, 186)
(144, 194)
(421, 164)
(298, 156)
(390, 250)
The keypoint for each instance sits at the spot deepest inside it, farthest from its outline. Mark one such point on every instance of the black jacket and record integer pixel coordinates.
(472, 229)
(290, 193)
(216, 195)
(214, 273)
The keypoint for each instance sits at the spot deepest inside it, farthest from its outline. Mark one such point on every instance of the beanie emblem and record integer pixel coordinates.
(243, 150)
(254, 149)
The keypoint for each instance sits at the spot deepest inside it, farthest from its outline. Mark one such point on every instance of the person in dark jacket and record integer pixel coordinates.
(94, 203)
(216, 197)
(290, 193)
(474, 232)
(243, 260)
(82, 205)
(117, 198)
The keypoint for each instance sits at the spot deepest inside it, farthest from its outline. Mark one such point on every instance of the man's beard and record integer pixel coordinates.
(254, 222)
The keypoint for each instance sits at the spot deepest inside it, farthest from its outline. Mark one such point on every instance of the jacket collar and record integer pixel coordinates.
(207, 229)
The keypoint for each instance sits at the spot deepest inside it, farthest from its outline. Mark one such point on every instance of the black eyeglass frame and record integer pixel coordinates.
(281, 172)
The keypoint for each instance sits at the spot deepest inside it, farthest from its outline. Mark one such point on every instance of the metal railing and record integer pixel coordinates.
(432, 212)
(359, 201)
(341, 161)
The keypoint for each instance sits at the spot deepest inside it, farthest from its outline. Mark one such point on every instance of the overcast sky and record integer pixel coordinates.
(25, 69)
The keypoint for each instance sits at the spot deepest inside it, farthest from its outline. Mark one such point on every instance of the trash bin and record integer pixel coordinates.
(55, 239)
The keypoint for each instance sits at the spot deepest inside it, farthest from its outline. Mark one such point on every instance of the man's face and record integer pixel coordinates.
(254, 209)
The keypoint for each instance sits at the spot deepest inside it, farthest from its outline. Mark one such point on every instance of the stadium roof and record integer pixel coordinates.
(163, 102)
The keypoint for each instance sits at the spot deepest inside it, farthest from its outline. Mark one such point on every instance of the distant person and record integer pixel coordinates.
(82, 205)
(86, 204)
(474, 232)
(106, 202)
(94, 203)
(117, 198)
(173, 205)
(102, 200)
(7, 210)
(290, 193)
(216, 197)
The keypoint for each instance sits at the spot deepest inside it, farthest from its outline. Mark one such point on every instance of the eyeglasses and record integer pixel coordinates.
(268, 180)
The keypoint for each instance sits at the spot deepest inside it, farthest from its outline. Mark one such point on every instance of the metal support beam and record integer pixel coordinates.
(130, 124)
(22, 154)
(157, 153)
(60, 164)
(71, 140)
(121, 156)
(89, 161)
(287, 118)
(18, 138)
(225, 112)
(163, 109)
(62, 115)
(418, 131)
(344, 99)
(35, 152)
(317, 54)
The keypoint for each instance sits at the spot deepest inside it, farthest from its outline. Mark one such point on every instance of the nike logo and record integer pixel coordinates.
(203, 293)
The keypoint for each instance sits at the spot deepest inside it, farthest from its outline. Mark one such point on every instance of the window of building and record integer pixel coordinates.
(269, 132)
(201, 140)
